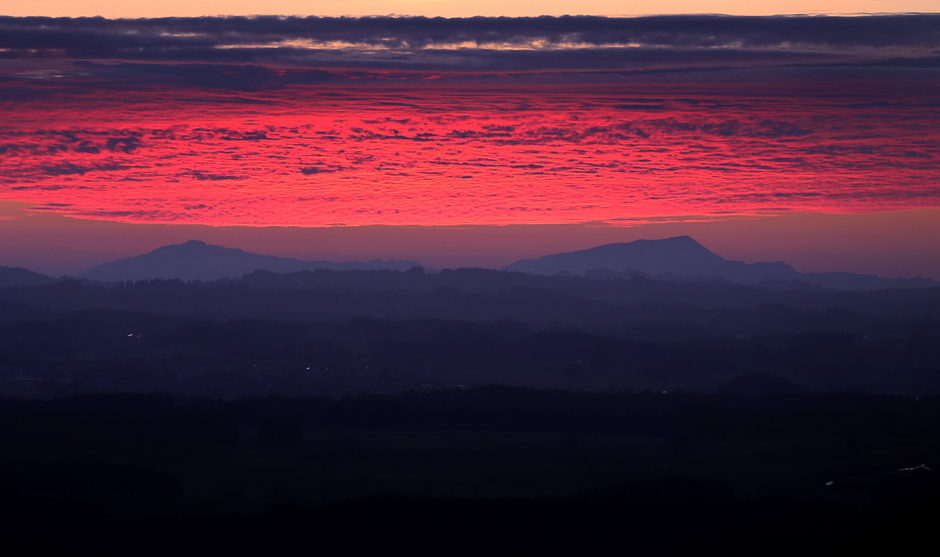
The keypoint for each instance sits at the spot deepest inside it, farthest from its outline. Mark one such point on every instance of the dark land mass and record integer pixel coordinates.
(365, 408)
(683, 258)
(330, 332)
(672, 259)
(195, 260)
(18, 276)
(539, 468)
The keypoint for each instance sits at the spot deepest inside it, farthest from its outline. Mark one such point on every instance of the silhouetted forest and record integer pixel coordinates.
(577, 464)
(386, 332)
(678, 415)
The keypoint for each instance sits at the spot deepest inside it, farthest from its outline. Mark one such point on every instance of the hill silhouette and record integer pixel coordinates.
(679, 255)
(684, 258)
(195, 260)
(680, 258)
(18, 276)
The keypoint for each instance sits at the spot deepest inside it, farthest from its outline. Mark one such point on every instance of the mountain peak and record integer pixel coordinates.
(188, 245)
(198, 248)
(198, 260)
(683, 257)
(684, 239)
(677, 255)
(674, 241)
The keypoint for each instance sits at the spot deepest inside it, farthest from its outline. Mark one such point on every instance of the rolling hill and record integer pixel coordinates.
(195, 260)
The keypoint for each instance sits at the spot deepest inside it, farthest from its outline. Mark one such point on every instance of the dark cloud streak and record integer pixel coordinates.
(265, 52)
(694, 31)
(221, 38)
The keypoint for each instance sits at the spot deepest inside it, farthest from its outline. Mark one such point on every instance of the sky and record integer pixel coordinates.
(471, 141)
(454, 8)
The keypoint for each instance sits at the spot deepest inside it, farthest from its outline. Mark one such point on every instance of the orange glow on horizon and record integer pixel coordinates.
(453, 8)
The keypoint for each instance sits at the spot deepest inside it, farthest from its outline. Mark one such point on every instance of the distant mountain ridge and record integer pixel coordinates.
(682, 257)
(679, 258)
(195, 260)
(18, 276)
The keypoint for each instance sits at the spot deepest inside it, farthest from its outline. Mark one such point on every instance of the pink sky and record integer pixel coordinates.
(540, 136)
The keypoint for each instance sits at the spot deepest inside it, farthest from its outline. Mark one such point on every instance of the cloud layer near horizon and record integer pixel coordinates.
(481, 43)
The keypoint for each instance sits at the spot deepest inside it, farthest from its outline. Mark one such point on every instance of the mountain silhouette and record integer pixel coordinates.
(18, 276)
(682, 257)
(679, 258)
(195, 260)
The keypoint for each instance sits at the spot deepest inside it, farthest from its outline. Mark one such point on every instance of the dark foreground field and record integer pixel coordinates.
(471, 408)
(649, 472)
